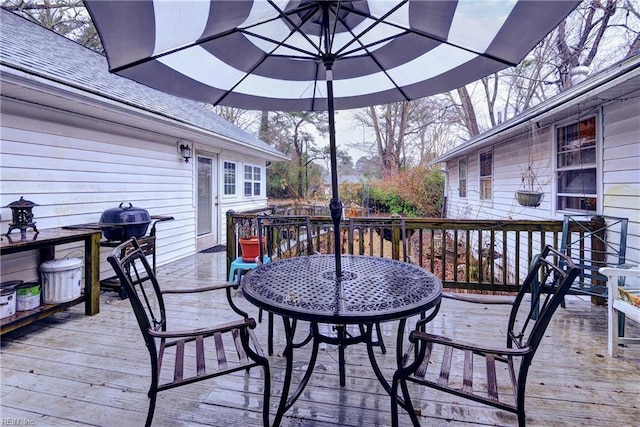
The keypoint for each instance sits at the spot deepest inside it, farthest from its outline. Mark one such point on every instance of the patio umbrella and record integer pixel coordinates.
(316, 55)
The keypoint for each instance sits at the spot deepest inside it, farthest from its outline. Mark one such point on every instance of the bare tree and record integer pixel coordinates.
(631, 28)
(294, 134)
(68, 18)
(391, 125)
(578, 39)
(244, 119)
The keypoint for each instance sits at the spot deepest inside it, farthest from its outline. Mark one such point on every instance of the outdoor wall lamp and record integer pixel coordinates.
(185, 151)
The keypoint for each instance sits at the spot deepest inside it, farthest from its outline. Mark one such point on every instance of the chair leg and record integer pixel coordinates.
(407, 401)
(394, 402)
(152, 406)
(621, 321)
(269, 333)
(383, 348)
(379, 341)
(266, 395)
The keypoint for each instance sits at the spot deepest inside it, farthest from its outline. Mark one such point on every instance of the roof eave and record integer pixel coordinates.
(588, 89)
(11, 74)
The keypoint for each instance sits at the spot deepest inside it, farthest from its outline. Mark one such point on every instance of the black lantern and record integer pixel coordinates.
(22, 216)
(185, 151)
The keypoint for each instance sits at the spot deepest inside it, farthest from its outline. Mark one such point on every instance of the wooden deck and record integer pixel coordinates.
(77, 370)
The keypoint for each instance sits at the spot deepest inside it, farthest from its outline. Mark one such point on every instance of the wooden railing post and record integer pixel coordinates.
(395, 236)
(231, 239)
(598, 253)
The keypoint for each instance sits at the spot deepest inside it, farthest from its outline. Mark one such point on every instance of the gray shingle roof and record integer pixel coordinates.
(36, 50)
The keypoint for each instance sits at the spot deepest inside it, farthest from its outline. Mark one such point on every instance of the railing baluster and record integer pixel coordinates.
(517, 257)
(455, 255)
(505, 264)
(460, 241)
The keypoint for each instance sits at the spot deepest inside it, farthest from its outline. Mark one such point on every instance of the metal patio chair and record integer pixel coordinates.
(593, 242)
(493, 376)
(180, 357)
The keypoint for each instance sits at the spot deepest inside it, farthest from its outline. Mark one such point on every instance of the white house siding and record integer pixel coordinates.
(508, 157)
(76, 171)
(621, 168)
(74, 174)
(620, 174)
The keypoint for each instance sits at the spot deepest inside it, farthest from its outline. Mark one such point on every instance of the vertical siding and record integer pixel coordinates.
(620, 174)
(509, 159)
(621, 168)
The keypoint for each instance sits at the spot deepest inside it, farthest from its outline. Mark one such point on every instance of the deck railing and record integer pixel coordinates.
(482, 255)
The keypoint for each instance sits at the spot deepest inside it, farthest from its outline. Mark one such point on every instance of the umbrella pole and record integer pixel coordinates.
(335, 205)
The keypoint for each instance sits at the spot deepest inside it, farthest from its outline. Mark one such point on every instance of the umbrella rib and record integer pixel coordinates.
(278, 43)
(373, 57)
(418, 32)
(296, 28)
(246, 30)
(376, 22)
(267, 55)
(169, 52)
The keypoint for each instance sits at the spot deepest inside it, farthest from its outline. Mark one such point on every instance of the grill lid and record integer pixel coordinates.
(125, 215)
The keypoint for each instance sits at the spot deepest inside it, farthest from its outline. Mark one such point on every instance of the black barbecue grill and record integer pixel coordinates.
(115, 233)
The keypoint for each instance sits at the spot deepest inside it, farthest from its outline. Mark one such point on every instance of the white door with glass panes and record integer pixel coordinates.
(207, 209)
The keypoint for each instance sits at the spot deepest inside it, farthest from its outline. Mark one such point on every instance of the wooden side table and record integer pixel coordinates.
(45, 242)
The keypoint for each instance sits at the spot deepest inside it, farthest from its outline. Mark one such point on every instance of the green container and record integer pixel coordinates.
(27, 296)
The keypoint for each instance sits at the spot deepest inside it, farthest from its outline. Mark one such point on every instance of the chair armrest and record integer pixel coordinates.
(200, 289)
(222, 328)
(416, 336)
(630, 270)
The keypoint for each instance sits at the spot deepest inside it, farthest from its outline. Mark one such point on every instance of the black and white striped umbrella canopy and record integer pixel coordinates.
(272, 55)
(314, 55)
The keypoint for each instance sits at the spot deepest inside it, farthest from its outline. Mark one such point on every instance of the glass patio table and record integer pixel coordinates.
(371, 290)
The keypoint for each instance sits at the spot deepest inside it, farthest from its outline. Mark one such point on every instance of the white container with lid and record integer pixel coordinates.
(61, 280)
(7, 302)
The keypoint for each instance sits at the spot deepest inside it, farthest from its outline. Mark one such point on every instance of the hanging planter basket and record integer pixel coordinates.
(529, 198)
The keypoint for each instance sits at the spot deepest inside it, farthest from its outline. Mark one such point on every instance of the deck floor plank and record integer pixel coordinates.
(77, 370)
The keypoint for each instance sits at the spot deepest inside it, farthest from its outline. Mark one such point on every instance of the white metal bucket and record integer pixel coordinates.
(61, 280)
(7, 302)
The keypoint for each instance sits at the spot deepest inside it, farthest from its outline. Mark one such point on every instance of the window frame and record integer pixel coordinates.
(463, 179)
(482, 179)
(584, 202)
(232, 186)
(255, 182)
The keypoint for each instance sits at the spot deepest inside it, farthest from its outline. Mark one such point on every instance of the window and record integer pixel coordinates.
(576, 167)
(486, 175)
(252, 179)
(229, 179)
(462, 177)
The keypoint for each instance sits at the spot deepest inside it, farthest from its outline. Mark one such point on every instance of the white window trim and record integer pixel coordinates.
(261, 182)
(224, 193)
(480, 177)
(599, 165)
(466, 177)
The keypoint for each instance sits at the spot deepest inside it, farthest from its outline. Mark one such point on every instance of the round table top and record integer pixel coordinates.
(371, 289)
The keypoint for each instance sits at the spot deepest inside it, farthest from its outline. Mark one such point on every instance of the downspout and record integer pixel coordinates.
(443, 214)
